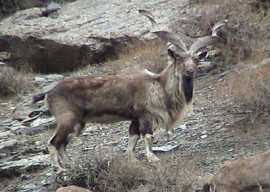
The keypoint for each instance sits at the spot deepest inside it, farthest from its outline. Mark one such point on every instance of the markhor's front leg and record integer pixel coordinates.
(148, 140)
(147, 135)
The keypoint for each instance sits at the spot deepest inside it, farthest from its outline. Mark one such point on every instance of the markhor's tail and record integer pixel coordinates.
(38, 97)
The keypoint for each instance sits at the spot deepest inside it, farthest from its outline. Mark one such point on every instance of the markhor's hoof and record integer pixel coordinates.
(59, 170)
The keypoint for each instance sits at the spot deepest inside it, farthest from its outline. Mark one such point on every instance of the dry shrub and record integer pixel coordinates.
(174, 173)
(140, 55)
(247, 33)
(117, 174)
(248, 87)
(246, 40)
(11, 82)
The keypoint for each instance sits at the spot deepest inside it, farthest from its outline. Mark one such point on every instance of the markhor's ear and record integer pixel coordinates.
(171, 53)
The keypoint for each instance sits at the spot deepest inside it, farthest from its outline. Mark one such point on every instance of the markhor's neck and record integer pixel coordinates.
(188, 87)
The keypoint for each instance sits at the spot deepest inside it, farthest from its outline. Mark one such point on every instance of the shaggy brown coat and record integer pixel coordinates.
(248, 174)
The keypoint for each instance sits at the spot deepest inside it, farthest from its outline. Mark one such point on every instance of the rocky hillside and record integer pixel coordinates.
(78, 33)
(229, 117)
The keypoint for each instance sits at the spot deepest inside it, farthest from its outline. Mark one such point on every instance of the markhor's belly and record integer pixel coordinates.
(105, 118)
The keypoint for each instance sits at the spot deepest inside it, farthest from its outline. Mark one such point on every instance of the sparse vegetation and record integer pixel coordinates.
(11, 82)
(150, 55)
(247, 40)
(117, 174)
(248, 88)
(247, 35)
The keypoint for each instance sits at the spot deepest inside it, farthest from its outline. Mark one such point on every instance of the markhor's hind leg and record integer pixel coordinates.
(78, 128)
(56, 144)
(64, 158)
(55, 156)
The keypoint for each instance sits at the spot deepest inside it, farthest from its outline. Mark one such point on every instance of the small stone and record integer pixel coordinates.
(39, 79)
(12, 108)
(203, 132)
(37, 143)
(3, 128)
(183, 127)
(29, 187)
(165, 148)
(45, 183)
(7, 122)
(16, 128)
(48, 174)
(41, 121)
(203, 136)
(72, 188)
(25, 177)
(223, 74)
(5, 134)
(87, 148)
(125, 138)
(8, 144)
(53, 77)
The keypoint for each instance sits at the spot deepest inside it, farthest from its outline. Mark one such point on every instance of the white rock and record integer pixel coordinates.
(203, 132)
(54, 77)
(203, 136)
(183, 127)
(41, 121)
(39, 79)
(165, 148)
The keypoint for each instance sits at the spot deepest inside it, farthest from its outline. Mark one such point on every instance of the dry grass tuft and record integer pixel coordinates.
(247, 33)
(249, 88)
(11, 82)
(117, 174)
(139, 55)
(246, 40)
